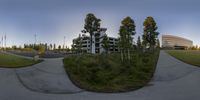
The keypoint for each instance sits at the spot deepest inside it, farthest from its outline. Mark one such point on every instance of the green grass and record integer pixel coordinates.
(12, 61)
(107, 74)
(187, 56)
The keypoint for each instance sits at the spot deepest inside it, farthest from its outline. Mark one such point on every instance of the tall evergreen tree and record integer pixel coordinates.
(126, 31)
(92, 26)
(139, 44)
(150, 34)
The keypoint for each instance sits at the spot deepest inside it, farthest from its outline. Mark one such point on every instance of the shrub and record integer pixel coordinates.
(108, 73)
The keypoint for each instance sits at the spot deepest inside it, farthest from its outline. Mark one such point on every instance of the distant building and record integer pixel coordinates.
(97, 42)
(175, 42)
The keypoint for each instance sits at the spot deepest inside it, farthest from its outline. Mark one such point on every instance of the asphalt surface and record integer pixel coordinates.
(48, 76)
(173, 80)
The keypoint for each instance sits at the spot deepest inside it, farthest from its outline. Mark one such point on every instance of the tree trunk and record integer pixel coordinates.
(129, 58)
(151, 47)
(122, 56)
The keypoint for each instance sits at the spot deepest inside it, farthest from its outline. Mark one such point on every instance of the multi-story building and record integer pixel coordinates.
(175, 42)
(84, 40)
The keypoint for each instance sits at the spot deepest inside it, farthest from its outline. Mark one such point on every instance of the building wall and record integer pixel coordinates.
(170, 41)
(97, 46)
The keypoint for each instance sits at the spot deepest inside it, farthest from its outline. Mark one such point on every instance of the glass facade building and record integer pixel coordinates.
(175, 42)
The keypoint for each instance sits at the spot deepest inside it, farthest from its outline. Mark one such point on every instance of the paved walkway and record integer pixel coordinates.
(48, 76)
(173, 80)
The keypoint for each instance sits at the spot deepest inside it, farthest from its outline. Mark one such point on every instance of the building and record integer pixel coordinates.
(175, 42)
(84, 40)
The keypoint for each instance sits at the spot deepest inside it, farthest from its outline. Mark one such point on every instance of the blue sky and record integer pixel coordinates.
(51, 20)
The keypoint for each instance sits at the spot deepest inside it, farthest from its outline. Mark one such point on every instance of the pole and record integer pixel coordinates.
(64, 43)
(5, 41)
(35, 38)
(2, 42)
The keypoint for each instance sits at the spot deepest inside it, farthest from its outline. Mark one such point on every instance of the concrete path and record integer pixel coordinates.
(48, 76)
(173, 80)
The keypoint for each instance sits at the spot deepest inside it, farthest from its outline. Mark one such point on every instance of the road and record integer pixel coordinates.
(173, 80)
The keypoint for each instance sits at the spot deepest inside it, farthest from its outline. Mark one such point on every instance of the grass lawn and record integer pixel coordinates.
(103, 73)
(12, 61)
(187, 56)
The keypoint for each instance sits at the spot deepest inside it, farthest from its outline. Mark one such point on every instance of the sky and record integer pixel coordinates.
(51, 20)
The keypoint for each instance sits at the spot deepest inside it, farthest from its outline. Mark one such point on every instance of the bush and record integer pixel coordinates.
(41, 50)
(106, 73)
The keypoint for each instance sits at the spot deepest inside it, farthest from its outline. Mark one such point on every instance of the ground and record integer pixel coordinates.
(187, 56)
(173, 80)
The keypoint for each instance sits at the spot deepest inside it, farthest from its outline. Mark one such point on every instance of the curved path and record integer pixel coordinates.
(173, 80)
(48, 76)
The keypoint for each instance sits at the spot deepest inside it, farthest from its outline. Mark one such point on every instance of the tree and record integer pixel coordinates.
(126, 31)
(25, 46)
(92, 26)
(67, 49)
(14, 47)
(78, 44)
(46, 46)
(158, 43)
(73, 48)
(54, 46)
(51, 46)
(59, 47)
(196, 47)
(41, 49)
(139, 44)
(150, 34)
(105, 43)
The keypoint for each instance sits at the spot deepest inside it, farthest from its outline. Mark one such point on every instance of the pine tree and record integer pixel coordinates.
(126, 31)
(92, 26)
(139, 44)
(150, 34)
